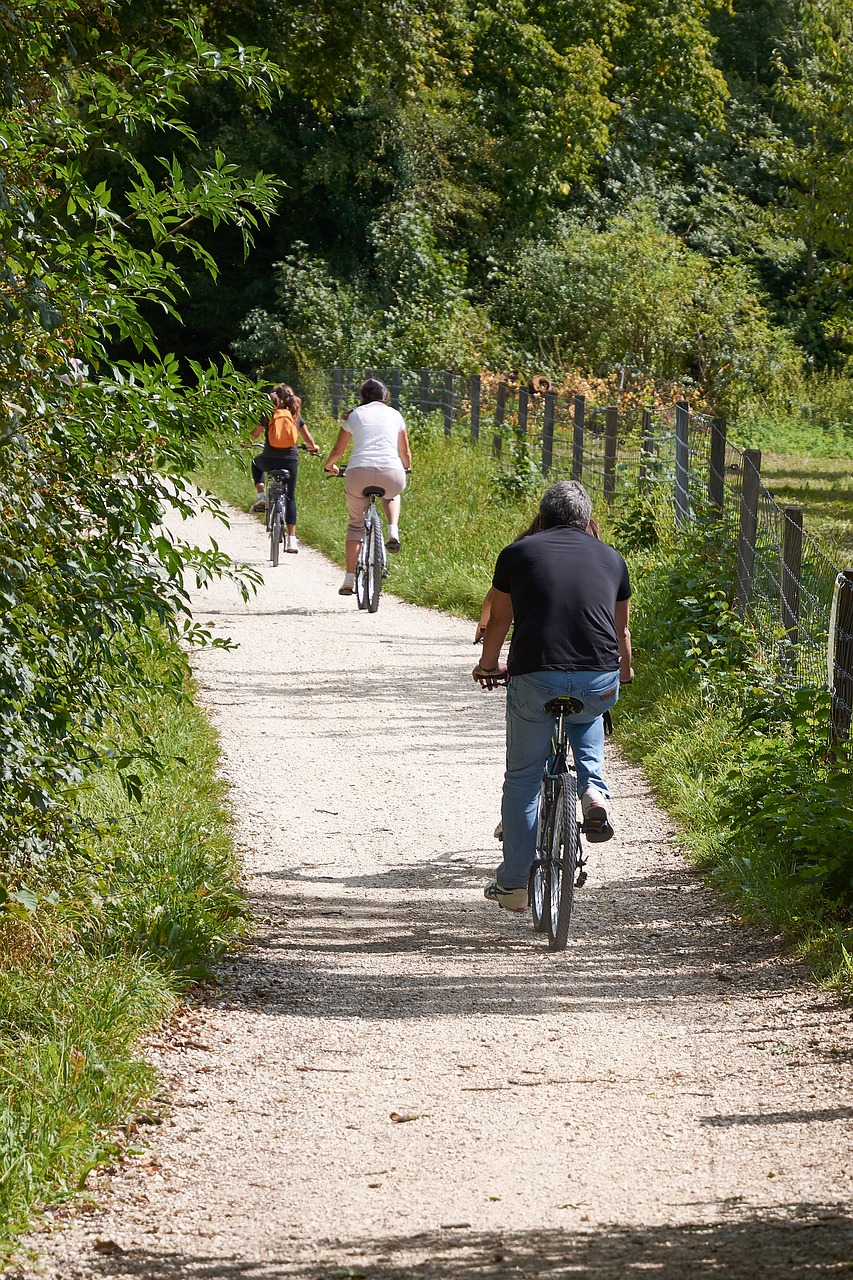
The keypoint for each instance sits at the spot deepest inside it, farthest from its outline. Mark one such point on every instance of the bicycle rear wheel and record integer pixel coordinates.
(374, 557)
(539, 885)
(276, 532)
(562, 846)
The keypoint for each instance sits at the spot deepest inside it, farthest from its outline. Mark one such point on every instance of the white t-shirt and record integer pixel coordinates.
(375, 430)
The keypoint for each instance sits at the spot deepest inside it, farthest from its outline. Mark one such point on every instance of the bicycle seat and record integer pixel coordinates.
(563, 706)
(373, 490)
(278, 475)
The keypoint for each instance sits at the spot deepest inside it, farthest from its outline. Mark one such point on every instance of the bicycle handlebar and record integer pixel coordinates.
(490, 679)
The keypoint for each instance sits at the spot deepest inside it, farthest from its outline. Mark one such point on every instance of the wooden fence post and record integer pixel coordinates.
(842, 662)
(749, 489)
(448, 402)
(717, 466)
(523, 403)
(548, 431)
(424, 392)
(577, 438)
(476, 391)
(396, 384)
(648, 449)
(500, 411)
(792, 562)
(611, 436)
(682, 462)
(337, 390)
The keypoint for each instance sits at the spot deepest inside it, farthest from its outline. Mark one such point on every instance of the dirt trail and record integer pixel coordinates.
(397, 1080)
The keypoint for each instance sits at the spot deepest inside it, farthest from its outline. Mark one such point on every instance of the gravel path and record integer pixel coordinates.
(395, 1079)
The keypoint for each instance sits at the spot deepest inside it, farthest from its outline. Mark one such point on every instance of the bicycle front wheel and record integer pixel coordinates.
(276, 533)
(562, 845)
(375, 559)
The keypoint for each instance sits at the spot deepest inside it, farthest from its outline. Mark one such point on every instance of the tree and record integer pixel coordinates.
(92, 449)
(816, 160)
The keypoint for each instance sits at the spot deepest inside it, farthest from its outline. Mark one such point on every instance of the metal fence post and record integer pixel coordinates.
(476, 390)
(842, 665)
(611, 436)
(425, 391)
(682, 462)
(548, 431)
(396, 384)
(337, 390)
(792, 562)
(577, 438)
(500, 411)
(750, 485)
(717, 466)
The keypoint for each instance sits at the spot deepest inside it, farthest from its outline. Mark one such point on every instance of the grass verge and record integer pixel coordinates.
(120, 929)
(690, 719)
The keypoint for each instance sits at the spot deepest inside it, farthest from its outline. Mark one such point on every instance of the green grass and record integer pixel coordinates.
(807, 460)
(121, 929)
(823, 487)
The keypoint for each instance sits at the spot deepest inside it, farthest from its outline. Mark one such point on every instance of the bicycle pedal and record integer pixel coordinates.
(581, 880)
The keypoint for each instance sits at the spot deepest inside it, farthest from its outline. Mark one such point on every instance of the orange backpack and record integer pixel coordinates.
(281, 432)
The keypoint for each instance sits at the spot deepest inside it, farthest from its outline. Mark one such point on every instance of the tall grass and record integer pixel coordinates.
(120, 930)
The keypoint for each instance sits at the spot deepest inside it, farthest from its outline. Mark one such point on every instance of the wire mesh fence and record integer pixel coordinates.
(799, 604)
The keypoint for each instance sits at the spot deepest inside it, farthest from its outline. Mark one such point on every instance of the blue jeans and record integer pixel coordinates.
(528, 741)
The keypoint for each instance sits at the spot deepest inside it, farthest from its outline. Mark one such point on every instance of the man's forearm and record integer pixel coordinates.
(493, 638)
(626, 671)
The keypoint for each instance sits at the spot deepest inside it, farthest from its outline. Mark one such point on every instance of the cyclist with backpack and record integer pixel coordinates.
(282, 431)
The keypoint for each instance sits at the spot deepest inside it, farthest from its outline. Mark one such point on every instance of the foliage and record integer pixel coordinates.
(816, 83)
(144, 905)
(634, 295)
(416, 311)
(87, 449)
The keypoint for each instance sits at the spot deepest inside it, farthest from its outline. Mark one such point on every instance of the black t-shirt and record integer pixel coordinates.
(564, 586)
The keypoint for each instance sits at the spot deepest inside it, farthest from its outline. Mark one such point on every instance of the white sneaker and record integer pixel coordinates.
(292, 544)
(509, 899)
(597, 826)
(260, 502)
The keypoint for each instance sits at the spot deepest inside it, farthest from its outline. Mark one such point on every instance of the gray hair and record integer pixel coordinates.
(566, 502)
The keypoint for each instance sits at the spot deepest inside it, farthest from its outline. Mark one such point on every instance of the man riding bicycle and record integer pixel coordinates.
(568, 597)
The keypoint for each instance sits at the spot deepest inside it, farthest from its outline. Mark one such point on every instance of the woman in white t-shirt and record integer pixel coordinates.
(380, 456)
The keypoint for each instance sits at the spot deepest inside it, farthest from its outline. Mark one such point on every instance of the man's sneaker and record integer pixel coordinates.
(597, 826)
(260, 502)
(292, 544)
(499, 830)
(393, 545)
(509, 899)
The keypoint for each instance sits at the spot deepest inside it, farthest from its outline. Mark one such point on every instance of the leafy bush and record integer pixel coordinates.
(88, 443)
(634, 296)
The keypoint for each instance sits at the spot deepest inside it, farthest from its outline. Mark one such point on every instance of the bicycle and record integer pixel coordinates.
(560, 863)
(278, 484)
(278, 489)
(372, 564)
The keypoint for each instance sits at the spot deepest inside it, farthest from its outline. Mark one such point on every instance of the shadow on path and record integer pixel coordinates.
(801, 1241)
